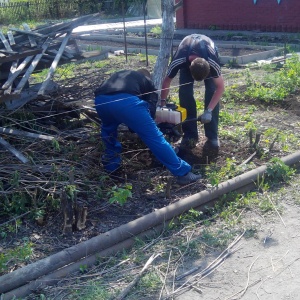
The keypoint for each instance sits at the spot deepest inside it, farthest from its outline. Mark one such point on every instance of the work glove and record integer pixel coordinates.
(206, 116)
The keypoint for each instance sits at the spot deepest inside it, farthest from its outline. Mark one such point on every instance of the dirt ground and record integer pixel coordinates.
(265, 267)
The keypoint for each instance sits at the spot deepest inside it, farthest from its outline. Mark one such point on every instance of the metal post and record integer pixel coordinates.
(145, 30)
(124, 28)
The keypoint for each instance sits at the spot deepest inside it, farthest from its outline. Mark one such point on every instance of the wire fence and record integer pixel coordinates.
(39, 10)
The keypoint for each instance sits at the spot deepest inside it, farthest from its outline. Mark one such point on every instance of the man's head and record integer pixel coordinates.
(199, 68)
(145, 72)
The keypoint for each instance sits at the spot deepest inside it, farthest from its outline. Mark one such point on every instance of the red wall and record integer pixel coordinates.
(265, 15)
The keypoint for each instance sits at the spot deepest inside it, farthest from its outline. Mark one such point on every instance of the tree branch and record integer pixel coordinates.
(178, 5)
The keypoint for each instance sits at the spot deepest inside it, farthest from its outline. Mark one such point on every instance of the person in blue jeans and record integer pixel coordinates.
(197, 59)
(129, 97)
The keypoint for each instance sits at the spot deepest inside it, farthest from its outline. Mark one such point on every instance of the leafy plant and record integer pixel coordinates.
(156, 30)
(120, 195)
(18, 254)
(83, 268)
(71, 191)
(279, 85)
(230, 170)
(277, 171)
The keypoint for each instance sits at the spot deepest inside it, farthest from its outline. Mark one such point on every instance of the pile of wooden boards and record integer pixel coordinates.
(24, 51)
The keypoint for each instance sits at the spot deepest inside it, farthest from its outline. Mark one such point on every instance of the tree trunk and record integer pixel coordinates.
(166, 42)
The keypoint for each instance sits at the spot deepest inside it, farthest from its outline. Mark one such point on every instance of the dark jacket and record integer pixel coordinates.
(133, 83)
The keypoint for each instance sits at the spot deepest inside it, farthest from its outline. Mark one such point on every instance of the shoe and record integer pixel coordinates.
(214, 143)
(188, 178)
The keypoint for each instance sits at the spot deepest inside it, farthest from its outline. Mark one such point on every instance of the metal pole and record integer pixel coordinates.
(145, 30)
(124, 28)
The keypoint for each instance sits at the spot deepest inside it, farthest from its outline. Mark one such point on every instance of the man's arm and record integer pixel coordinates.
(219, 82)
(165, 89)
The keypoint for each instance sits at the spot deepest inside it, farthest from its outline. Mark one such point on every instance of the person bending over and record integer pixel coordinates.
(197, 59)
(129, 97)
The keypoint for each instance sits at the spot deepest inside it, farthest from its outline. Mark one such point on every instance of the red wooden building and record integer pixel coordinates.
(263, 15)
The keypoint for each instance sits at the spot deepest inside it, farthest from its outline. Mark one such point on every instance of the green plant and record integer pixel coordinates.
(278, 85)
(95, 290)
(277, 171)
(156, 30)
(55, 145)
(215, 175)
(192, 216)
(120, 195)
(159, 187)
(231, 63)
(83, 268)
(71, 191)
(18, 254)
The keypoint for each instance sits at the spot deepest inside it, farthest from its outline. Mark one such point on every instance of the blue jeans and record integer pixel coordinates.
(187, 100)
(116, 109)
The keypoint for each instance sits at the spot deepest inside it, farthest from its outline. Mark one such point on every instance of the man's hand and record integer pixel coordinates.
(206, 116)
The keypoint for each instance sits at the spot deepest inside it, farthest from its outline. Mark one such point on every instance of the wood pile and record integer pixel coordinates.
(23, 52)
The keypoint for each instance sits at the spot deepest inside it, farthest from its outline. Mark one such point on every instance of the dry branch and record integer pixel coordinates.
(125, 292)
(14, 151)
(26, 134)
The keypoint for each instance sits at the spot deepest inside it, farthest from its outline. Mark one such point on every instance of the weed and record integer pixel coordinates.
(215, 238)
(70, 191)
(277, 171)
(192, 216)
(120, 195)
(156, 30)
(18, 254)
(83, 268)
(279, 84)
(217, 175)
(55, 145)
(159, 187)
(95, 290)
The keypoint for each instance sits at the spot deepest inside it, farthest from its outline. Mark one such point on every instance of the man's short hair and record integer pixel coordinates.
(145, 72)
(199, 68)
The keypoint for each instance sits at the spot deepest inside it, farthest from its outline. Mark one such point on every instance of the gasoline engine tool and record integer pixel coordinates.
(169, 117)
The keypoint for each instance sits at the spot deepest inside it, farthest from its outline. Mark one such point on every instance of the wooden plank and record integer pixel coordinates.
(54, 64)
(31, 33)
(31, 38)
(20, 55)
(5, 42)
(14, 151)
(11, 38)
(14, 101)
(31, 68)
(54, 28)
(7, 51)
(13, 69)
(20, 68)
(26, 134)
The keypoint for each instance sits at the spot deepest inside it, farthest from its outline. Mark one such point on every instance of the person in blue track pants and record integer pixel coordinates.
(129, 97)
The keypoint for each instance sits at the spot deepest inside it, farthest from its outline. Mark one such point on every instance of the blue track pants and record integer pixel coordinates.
(116, 109)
